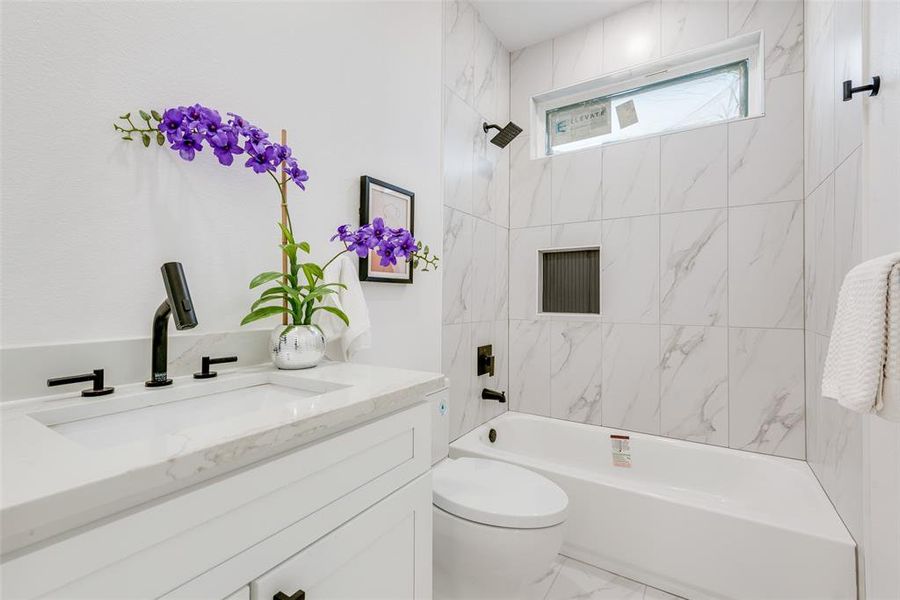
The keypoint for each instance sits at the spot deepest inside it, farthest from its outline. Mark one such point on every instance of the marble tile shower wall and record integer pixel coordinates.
(476, 214)
(702, 236)
(833, 240)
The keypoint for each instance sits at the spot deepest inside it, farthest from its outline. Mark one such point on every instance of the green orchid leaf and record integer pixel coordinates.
(335, 311)
(160, 138)
(156, 115)
(287, 234)
(269, 298)
(146, 139)
(312, 272)
(291, 251)
(278, 290)
(264, 278)
(144, 115)
(318, 294)
(262, 313)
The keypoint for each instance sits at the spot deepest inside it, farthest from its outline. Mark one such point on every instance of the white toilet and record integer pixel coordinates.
(497, 526)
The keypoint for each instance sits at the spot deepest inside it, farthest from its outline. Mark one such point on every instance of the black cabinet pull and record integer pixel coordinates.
(205, 373)
(298, 595)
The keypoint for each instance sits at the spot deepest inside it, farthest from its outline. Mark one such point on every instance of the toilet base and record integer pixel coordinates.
(481, 562)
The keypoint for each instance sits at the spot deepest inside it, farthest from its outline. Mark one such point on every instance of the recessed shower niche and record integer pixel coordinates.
(569, 281)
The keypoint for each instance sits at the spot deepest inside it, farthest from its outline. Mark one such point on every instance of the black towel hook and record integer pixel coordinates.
(849, 90)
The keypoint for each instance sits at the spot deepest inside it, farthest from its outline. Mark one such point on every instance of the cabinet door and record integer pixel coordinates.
(385, 552)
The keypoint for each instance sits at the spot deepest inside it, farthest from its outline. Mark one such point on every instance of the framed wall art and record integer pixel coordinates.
(397, 207)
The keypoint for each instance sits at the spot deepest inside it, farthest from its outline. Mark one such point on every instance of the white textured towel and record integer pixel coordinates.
(890, 389)
(345, 341)
(866, 320)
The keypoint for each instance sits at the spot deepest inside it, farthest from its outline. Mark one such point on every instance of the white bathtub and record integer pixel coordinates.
(695, 520)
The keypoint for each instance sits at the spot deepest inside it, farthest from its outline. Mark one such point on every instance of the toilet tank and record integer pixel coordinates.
(440, 424)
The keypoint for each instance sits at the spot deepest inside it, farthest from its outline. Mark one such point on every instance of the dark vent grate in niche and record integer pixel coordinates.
(571, 281)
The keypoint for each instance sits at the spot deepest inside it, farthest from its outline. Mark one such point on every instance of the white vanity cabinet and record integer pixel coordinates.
(345, 517)
(372, 556)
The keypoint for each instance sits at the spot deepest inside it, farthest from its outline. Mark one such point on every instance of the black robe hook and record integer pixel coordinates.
(849, 90)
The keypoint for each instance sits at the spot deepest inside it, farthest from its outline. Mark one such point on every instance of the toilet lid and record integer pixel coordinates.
(497, 493)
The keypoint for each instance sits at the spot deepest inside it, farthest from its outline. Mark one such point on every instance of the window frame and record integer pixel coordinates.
(748, 47)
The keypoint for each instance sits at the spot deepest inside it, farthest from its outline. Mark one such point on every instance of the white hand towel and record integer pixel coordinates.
(345, 341)
(858, 350)
(890, 389)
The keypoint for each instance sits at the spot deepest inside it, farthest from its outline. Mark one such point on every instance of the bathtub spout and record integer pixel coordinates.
(487, 394)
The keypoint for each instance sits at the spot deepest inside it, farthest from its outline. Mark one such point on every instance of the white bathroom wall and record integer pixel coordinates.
(476, 217)
(89, 218)
(833, 244)
(701, 336)
(853, 214)
(881, 234)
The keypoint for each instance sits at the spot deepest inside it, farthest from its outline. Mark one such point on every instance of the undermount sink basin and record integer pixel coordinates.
(153, 414)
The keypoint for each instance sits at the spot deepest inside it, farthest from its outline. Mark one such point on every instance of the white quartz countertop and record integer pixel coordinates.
(55, 479)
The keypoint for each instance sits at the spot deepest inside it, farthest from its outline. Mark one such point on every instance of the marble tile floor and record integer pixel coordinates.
(569, 579)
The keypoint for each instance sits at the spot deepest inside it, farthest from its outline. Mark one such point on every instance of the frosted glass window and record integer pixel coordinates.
(708, 96)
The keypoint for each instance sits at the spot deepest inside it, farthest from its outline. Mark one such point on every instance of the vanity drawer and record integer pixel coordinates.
(159, 547)
(382, 554)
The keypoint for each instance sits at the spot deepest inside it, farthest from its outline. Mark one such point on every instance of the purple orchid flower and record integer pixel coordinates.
(298, 175)
(225, 146)
(343, 233)
(390, 244)
(256, 135)
(378, 227)
(282, 153)
(188, 127)
(387, 252)
(193, 114)
(239, 123)
(259, 161)
(187, 143)
(171, 122)
(210, 122)
(404, 244)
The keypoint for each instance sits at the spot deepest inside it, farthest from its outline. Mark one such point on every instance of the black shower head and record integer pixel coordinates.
(504, 135)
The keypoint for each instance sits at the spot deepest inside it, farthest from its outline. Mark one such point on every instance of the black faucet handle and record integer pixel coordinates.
(486, 360)
(205, 373)
(96, 377)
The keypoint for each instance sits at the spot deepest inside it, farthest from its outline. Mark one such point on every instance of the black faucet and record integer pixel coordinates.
(178, 304)
(487, 394)
(96, 378)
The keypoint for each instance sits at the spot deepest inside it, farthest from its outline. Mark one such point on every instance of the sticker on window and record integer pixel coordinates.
(580, 121)
(627, 114)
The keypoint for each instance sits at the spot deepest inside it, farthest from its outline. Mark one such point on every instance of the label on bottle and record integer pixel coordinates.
(621, 450)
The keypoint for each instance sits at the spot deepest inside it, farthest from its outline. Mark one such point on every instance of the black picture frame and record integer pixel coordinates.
(369, 189)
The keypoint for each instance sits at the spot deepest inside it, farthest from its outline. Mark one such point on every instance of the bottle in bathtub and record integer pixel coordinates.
(621, 450)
